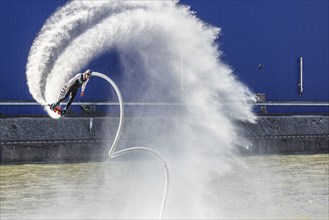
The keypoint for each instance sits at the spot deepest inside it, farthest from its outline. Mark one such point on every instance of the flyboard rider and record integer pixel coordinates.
(71, 89)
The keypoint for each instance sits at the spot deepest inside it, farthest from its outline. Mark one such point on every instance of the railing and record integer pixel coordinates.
(268, 103)
(261, 107)
(292, 103)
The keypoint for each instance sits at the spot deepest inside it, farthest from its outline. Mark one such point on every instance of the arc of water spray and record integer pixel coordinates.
(113, 154)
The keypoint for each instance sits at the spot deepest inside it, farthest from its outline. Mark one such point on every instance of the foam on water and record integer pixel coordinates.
(160, 35)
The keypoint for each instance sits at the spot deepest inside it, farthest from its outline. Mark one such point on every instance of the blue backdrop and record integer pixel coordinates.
(273, 33)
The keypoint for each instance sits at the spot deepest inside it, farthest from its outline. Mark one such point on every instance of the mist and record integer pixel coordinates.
(163, 43)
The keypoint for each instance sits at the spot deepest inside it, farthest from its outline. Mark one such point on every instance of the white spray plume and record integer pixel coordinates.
(160, 35)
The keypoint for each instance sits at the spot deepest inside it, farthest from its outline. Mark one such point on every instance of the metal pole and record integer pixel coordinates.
(300, 76)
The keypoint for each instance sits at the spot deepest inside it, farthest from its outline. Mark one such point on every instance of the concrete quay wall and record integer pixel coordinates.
(288, 134)
(48, 140)
(79, 139)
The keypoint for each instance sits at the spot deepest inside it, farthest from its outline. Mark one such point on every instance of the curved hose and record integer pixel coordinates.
(113, 154)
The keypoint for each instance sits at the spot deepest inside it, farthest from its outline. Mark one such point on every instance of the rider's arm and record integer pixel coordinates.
(83, 87)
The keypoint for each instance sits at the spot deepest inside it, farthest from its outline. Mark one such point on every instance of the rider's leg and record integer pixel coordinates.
(62, 96)
(72, 96)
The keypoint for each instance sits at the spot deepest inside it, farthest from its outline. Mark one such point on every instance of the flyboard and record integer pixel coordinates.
(57, 109)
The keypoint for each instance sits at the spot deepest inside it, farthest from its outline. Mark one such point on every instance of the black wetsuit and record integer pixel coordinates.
(73, 86)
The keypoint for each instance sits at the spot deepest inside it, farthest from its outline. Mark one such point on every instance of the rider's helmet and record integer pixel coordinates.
(88, 72)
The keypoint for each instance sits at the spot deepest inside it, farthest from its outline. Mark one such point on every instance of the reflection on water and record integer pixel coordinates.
(274, 187)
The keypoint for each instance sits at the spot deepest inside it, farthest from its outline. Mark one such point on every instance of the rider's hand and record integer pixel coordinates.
(82, 94)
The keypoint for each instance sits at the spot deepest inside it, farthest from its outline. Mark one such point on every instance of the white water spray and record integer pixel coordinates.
(154, 39)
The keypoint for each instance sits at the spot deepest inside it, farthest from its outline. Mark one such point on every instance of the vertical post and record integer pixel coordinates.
(90, 124)
(300, 85)
(258, 80)
(259, 68)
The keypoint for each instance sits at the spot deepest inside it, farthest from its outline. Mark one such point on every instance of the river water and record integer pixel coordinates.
(265, 187)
